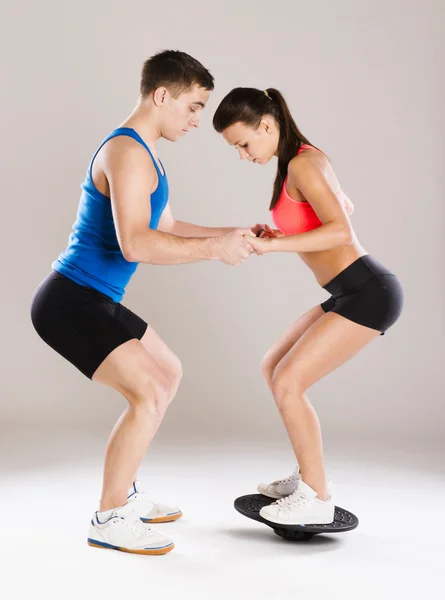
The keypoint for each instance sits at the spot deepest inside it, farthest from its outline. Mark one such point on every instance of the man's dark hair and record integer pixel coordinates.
(176, 71)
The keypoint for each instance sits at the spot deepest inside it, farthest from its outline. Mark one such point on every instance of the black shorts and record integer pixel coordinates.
(366, 293)
(80, 323)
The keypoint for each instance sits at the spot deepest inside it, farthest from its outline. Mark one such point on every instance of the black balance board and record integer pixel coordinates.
(250, 507)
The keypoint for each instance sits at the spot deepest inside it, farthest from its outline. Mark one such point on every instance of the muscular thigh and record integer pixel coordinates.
(129, 368)
(330, 342)
(291, 336)
(161, 354)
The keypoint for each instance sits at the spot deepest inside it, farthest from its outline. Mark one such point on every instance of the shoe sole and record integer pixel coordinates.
(288, 523)
(166, 519)
(153, 552)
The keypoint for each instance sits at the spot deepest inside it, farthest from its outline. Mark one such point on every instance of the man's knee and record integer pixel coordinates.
(174, 375)
(176, 372)
(148, 393)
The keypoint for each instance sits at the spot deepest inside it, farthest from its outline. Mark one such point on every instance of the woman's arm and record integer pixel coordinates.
(306, 173)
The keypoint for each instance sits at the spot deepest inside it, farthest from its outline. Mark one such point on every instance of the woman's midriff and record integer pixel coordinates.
(327, 264)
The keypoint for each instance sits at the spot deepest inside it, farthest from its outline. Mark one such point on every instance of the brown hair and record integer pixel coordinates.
(249, 106)
(175, 70)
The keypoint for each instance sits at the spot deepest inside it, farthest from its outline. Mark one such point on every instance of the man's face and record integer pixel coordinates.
(181, 114)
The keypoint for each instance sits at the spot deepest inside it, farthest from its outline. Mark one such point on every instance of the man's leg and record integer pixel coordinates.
(149, 389)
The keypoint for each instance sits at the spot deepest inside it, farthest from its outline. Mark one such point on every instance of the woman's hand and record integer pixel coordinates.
(264, 231)
(260, 245)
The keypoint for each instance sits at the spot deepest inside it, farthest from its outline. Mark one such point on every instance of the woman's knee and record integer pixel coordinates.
(287, 385)
(268, 365)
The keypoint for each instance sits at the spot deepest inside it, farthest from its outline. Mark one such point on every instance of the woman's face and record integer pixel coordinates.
(257, 145)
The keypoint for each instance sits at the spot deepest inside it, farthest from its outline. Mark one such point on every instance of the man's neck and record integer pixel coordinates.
(143, 121)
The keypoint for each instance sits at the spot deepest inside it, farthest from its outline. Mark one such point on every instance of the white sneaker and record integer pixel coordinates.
(128, 534)
(281, 487)
(147, 510)
(300, 508)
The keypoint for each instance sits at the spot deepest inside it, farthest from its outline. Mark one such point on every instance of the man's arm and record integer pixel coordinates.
(190, 230)
(132, 178)
(169, 224)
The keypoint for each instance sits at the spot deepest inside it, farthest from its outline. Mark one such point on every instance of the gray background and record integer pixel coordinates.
(364, 81)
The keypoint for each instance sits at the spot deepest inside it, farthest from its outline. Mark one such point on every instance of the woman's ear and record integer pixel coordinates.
(266, 125)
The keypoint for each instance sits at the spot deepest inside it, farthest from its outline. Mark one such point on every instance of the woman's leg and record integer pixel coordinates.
(327, 344)
(287, 341)
(134, 372)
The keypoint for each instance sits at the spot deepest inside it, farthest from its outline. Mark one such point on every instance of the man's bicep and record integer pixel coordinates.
(131, 179)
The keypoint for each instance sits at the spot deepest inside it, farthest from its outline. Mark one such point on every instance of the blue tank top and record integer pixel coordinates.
(93, 257)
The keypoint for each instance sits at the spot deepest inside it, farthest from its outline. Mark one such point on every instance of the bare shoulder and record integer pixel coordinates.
(127, 162)
(124, 150)
(307, 163)
(311, 167)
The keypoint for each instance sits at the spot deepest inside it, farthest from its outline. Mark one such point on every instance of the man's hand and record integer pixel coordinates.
(261, 245)
(234, 247)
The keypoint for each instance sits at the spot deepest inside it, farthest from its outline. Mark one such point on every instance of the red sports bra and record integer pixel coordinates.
(294, 216)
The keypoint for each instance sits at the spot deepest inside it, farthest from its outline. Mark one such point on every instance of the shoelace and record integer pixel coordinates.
(294, 477)
(295, 499)
(133, 524)
(142, 495)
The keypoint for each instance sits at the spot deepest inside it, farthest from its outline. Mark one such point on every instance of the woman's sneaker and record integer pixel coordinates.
(300, 508)
(147, 510)
(127, 534)
(281, 487)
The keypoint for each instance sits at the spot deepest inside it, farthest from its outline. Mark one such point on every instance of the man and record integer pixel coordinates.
(77, 310)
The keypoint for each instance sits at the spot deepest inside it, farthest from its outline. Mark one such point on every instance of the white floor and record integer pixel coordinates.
(48, 492)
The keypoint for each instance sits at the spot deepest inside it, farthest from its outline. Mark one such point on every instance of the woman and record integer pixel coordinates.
(311, 214)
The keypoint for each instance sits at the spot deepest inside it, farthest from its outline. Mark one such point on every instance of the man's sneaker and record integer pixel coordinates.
(300, 508)
(147, 510)
(127, 534)
(281, 487)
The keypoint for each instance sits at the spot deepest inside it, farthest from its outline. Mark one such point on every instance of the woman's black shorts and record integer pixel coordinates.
(80, 323)
(366, 293)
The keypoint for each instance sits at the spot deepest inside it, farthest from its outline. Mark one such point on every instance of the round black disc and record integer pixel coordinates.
(251, 504)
